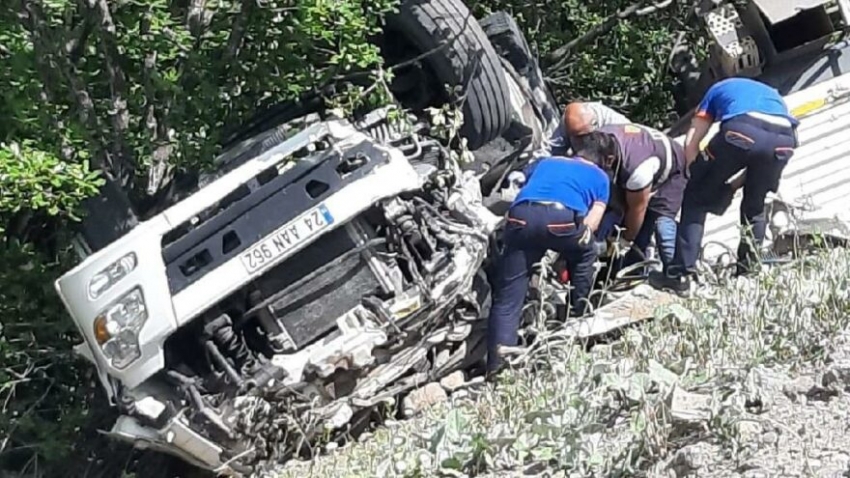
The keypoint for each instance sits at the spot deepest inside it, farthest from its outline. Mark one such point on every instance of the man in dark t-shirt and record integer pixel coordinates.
(650, 175)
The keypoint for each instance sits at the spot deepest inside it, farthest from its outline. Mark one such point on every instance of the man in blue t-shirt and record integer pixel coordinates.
(757, 134)
(558, 209)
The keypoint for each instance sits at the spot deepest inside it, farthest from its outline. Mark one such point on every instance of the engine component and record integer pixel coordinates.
(227, 349)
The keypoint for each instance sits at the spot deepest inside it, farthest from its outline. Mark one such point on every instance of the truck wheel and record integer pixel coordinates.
(504, 34)
(459, 54)
(510, 43)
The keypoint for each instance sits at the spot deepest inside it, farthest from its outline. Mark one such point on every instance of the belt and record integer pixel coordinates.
(772, 119)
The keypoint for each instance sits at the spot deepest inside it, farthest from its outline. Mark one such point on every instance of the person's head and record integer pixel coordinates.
(599, 148)
(579, 119)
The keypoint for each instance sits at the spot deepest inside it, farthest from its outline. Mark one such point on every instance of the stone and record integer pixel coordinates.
(691, 458)
(838, 375)
(686, 407)
(423, 398)
(460, 395)
(749, 431)
(770, 438)
(453, 381)
(442, 358)
(661, 375)
(796, 390)
(756, 473)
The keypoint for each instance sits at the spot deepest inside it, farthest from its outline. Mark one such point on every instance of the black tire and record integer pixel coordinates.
(461, 56)
(507, 39)
(510, 43)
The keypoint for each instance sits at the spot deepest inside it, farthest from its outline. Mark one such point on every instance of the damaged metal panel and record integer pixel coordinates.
(779, 10)
(818, 175)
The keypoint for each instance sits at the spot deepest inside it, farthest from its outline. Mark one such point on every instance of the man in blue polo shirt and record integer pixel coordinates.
(558, 209)
(757, 134)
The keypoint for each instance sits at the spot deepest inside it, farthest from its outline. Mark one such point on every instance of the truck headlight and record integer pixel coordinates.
(109, 276)
(116, 329)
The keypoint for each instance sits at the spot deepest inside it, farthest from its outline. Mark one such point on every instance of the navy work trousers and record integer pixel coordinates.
(764, 149)
(532, 229)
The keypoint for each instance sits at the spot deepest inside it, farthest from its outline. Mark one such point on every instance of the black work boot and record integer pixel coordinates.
(676, 283)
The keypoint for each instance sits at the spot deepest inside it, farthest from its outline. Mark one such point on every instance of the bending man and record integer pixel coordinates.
(558, 209)
(581, 118)
(757, 133)
(650, 173)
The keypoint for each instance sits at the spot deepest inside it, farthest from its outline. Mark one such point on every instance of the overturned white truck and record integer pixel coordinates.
(331, 264)
(326, 266)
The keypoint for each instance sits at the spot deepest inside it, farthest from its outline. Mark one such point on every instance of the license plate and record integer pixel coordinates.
(289, 236)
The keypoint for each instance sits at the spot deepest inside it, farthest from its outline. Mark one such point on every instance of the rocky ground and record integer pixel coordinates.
(749, 378)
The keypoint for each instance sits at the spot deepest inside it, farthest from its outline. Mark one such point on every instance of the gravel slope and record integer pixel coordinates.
(747, 379)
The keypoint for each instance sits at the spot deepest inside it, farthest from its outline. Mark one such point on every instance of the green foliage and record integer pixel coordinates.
(45, 393)
(39, 181)
(625, 68)
(169, 78)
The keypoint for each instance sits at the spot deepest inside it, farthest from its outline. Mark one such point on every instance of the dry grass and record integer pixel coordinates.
(569, 411)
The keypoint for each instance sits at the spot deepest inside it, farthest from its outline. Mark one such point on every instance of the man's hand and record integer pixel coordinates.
(586, 236)
(623, 246)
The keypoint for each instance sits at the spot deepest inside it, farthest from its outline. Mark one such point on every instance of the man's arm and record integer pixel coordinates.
(700, 125)
(638, 189)
(637, 202)
(594, 216)
(699, 128)
(600, 189)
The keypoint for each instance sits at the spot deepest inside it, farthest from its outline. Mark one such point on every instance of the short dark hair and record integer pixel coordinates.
(596, 147)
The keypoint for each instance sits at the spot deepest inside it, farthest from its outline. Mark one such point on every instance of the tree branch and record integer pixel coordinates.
(123, 165)
(560, 56)
(76, 44)
(234, 41)
(50, 58)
